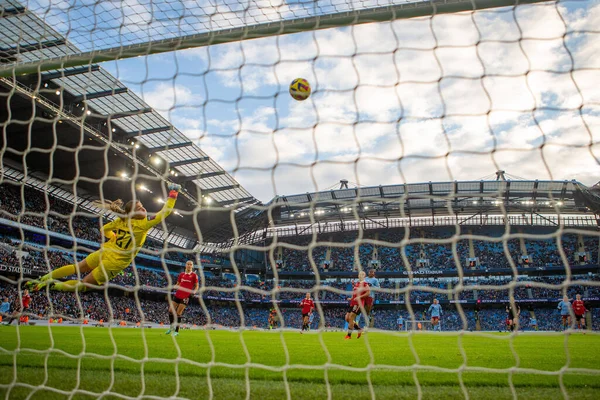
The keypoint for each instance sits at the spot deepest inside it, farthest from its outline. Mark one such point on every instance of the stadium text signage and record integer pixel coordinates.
(17, 270)
(423, 272)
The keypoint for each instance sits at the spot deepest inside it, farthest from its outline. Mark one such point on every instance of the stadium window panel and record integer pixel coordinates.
(344, 194)
(193, 168)
(173, 155)
(442, 187)
(418, 188)
(217, 182)
(368, 191)
(322, 196)
(419, 203)
(394, 190)
(136, 123)
(115, 105)
(301, 198)
(159, 138)
(27, 26)
(468, 187)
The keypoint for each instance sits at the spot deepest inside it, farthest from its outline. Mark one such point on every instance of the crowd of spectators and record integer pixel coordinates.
(397, 250)
(31, 258)
(417, 291)
(96, 306)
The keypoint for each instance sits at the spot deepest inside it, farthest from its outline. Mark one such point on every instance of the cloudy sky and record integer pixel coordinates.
(453, 97)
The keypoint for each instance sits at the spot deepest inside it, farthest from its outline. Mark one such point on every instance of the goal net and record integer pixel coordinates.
(418, 325)
(268, 153)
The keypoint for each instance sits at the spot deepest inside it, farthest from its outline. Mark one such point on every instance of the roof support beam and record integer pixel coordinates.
(200, 176)
(131, 113)
(169, 147)
(174, 164)
(7, 12)
(143, 132)
(104, 93)
(242, 200)
(12, 51)
(219, 189)
(74, 71)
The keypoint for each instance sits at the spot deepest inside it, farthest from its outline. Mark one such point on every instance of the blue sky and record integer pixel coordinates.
(453, 97)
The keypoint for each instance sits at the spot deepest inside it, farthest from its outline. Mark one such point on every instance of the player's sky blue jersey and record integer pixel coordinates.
(5, 307)
(373, 282)
(400, 321)
(564, 307)
(435, 310)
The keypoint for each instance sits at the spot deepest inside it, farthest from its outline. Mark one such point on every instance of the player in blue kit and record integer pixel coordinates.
(311, 318)
(373, 283)
(565, 312)
(400, 322)
(436, 312)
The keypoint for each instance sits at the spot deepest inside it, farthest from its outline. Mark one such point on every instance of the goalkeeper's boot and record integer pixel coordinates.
(359, 334)
(176, 334)
(168, 332)
(31, 284)
(39, 284)
(43, 283)
(347, 337)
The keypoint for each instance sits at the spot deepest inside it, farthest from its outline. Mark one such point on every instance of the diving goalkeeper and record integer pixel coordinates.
(126, 236)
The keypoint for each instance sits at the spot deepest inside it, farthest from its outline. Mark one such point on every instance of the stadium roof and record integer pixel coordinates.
(25, 37)
(431, 199)
(113, 130)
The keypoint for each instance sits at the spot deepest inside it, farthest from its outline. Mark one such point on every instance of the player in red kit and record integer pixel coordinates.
(307, 307)
(360, 292)
(21, 308)
(579, 311)
(187, 285)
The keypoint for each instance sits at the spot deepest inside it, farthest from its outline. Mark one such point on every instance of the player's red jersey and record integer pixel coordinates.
(26, 301)
(187, 283)
(359, 289)
(307, 305)
(579, 307)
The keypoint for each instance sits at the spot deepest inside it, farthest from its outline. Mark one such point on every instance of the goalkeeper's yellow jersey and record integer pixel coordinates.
(127, 236)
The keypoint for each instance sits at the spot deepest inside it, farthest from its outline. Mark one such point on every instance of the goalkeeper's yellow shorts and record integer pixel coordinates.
(105, 265)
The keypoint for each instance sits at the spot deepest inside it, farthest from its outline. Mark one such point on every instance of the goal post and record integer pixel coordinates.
(393, 11)
(419, 325)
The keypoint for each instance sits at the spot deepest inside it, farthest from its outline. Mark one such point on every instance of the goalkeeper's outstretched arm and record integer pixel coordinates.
(167, 208)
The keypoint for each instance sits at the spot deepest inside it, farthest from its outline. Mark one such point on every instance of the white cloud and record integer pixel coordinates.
(455, 97)
(166, 97)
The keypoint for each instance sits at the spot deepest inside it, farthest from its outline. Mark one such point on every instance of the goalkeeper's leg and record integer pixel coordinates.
(82, 267)
(97, 277)
(75, 285)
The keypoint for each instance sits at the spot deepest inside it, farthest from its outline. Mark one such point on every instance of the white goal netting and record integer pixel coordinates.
(448, 149)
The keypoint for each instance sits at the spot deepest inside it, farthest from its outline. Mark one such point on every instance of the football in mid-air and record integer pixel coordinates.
(300, 89)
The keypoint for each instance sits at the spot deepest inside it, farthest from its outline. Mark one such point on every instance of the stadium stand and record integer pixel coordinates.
(155, 269)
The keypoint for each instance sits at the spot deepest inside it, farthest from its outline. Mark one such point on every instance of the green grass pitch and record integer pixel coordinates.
(58, 362)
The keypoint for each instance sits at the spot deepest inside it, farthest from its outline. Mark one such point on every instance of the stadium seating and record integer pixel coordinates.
(256, 293)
